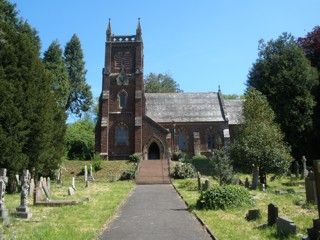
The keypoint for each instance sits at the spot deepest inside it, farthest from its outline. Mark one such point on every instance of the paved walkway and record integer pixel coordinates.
(154, 212)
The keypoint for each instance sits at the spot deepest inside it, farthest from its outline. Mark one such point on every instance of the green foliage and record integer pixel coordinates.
(136, 157)
(179, 156)
(284, 75)
(80, 97)
(128, 175)
(80, 140)
(59, 76)
(161, 83)
(260, 140)
(232, 97)
(189, 185)
(198, 157)
(224, 197)
(96, 162)
(222, 166)
(184, 170)
(32, 127)
(203, 166)
(8, 12)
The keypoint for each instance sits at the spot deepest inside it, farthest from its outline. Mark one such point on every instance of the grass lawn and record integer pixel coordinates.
(84, 221)
(231, 224)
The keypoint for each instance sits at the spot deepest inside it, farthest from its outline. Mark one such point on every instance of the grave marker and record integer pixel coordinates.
(253, 215)
(296, 169)
(285, 226)
(3, 182)
(304, 167)
(31, 188)
(70, 191)
(272, 214)
(246, 183)
(85, 177)
(22, 210)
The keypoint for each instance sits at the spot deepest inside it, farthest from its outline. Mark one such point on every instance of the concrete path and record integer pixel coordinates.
(154, 212)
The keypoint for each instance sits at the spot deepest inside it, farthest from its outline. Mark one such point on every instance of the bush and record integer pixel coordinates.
(225, 197)
(199, 157)
(128, 175)
(136, 157)
(184, 170)
(177, 156)
(96, 162)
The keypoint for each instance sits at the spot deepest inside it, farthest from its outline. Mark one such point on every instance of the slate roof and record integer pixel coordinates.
(184, 107)
(233, 109)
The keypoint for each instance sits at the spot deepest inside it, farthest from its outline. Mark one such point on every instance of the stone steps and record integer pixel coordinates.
(153, 172)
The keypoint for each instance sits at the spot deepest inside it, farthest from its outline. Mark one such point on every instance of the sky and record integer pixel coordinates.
(203, 44)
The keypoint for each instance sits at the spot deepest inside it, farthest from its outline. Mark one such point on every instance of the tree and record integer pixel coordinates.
(31, 125)
(57, 67)
(8, 12)
(161, 83)
(80, 140)
(284, 75)
(80, 97)
(260, 142)
(222, 166)
(311, 45)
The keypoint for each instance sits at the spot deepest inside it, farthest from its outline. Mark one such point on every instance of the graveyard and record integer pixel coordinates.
(287, 193)
(97, 205)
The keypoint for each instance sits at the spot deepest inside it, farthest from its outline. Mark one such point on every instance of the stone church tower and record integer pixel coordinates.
(122, 103)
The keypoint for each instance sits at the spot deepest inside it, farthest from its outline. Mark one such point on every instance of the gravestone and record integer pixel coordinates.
(310, 184)
(87, 184)
(246, 183)
(255, 178)
(73, 183)
(3, 182)
(49, 184)
(90, 177)
(85, 177)
(316, 168)
(199, 181)
(206, 185)
(253, 215)
(46, 191)
(304, 167)
(31, 188)
(262, 187)
(273, 212)
(285, 226)
(289, 173)
(70, 191)
(22, 210)
(296, 169)
(59, 178)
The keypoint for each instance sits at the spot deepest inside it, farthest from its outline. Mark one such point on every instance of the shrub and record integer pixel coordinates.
(198, 157)
(184, 170)
(128, 175)
(177, 156)
(224, 197)
(136, 157)
(96, 162)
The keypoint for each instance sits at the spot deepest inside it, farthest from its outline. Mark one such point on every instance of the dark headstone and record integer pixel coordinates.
(70, 191)
(310, 185)
(199, 181)
(272, 214)
(253, 215)
(246, 183)
(314, 232)
(206, 185)
(316, 169)
(285, 226)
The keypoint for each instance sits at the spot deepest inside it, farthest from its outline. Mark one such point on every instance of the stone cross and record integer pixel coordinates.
(22, 210)
(3, 182)
(304, 169)
(85, 178)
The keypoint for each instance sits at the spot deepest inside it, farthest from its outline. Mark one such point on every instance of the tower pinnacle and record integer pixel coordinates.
(109, 31)
(138, 31)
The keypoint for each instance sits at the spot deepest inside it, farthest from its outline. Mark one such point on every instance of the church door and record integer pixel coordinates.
(154, 152)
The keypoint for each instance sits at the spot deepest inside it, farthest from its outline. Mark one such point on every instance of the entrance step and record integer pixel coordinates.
(153, 172)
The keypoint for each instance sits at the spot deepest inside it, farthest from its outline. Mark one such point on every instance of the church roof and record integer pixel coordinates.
(184, 107)
(233, 109)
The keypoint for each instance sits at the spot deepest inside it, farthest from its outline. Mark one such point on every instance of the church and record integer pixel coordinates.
(155, 124)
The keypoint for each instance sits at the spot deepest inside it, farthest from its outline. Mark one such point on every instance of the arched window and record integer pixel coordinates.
(122, 134)
(122, 96)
